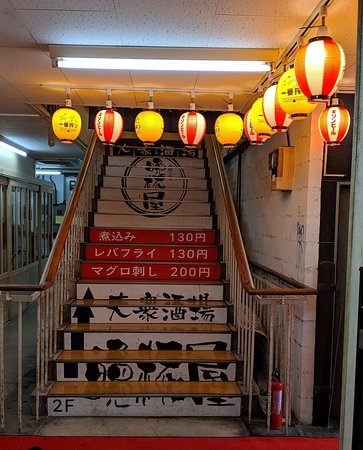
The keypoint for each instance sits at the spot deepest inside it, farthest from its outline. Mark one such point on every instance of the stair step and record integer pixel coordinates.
(156, 222)
(194, 290)
(139, 236)
(137, 388)
(137, 302)
(153, 270)
(139, 194)
(166, 151)
(133, 336)
(147, 311)
(139, 170)
(195, 356)
(126, 161)
(172, 183)
(147, 365)
(154, 207)
(163, 399)
(148, 327)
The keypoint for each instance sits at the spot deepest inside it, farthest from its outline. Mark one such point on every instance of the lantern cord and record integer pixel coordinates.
(192, 101)
(288, 138)
(230, 102)
(108, 101)
(68, 101)
(150, 104)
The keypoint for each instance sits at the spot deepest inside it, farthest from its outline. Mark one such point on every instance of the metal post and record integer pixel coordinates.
(270, 363)
(2, 369)
(20, 366)
(354, 258)
(250, 381)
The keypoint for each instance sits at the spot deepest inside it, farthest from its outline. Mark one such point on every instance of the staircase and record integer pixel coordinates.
(148, 332)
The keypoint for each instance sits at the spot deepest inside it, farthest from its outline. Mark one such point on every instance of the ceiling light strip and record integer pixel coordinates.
(11, 148)
(179, 65)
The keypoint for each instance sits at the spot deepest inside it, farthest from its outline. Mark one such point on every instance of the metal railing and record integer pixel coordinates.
(25, 226)
(57, 284)
(253, 297)
(259, 304)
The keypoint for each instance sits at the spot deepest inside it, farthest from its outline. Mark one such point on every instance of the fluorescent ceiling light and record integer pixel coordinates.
(185, 65)
(198, 59)
(48, 172)
(11, 148)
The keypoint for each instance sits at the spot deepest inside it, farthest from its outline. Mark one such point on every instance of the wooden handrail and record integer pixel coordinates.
(239, 249)
(50, 270)
(238, 246)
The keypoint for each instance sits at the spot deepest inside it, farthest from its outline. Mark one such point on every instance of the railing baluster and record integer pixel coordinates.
(254, 298)
(20, 366)
(38, 363)
(2, 369)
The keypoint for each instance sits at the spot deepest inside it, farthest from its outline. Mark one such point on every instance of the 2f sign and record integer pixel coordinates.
(63, 405)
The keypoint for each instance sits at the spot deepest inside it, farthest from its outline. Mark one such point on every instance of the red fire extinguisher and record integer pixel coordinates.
(277, 389)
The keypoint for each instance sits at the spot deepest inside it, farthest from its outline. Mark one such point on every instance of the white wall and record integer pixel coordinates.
(281, 231)
(15, 165)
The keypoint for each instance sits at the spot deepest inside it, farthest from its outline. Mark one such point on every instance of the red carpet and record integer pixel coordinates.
(166, 443)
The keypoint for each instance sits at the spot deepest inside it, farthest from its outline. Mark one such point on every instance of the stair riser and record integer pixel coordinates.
(153, 207)
(129, 236)
(141, 221)
(160, 291)
(153, 271)
(132, 341)
(126, 161)
(145, 406)
(127, 252)
(146, 371)
(148, 313)
(169, 172)
(138, 182)
(139, 194)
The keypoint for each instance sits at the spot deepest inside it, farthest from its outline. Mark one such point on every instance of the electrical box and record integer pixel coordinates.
(281, 162)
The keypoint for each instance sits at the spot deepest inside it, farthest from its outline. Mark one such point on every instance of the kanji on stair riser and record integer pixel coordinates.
(155, 271)
(135, 236)
(129, 252)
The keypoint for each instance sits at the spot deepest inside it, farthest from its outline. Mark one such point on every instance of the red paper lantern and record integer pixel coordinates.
(192, 127)
(108, 125)
(275, 116)
(334, 123)
(252, 136)
(319, 67)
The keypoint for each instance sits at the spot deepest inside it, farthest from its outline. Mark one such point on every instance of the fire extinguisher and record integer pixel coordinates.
(277, 389)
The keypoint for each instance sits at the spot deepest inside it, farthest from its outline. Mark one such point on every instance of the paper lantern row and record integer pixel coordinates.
(318, 70)
(319, 67)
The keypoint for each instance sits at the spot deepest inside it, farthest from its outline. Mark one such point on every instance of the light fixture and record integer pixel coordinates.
(275, 116)
(258, 120)
(108, 123)
(48, 172)
(192, 126)
(291, 99)
(319, 65)
(9, 146)
(149, 124)
(66, 122)
(228, 127)
(334, 122)
(162, 58)
(252, 136)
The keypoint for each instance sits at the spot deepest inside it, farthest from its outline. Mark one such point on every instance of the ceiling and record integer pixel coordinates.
(28, 82)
